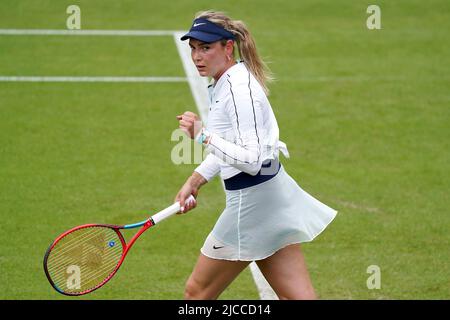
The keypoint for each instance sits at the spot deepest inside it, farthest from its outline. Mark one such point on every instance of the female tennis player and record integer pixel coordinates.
(267, 215)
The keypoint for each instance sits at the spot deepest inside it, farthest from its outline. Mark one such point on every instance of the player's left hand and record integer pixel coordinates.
(190, 123)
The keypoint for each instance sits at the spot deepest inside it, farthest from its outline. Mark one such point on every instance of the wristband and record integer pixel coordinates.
(202, 136)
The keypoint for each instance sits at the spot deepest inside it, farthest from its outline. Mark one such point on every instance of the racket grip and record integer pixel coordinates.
(169, 211)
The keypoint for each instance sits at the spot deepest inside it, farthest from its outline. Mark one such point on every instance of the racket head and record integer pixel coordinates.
(84, 258)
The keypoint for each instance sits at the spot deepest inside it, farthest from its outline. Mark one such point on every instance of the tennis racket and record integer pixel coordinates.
(86, 257)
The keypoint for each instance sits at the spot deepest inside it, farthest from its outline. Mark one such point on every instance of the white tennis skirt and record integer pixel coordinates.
(260, 220)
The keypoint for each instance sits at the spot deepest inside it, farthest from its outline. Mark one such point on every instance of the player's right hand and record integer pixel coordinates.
(183, 195)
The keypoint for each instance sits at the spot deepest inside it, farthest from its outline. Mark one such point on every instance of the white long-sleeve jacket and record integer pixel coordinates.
(243, 127)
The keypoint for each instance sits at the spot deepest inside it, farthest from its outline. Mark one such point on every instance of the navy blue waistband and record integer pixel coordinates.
(244, 180)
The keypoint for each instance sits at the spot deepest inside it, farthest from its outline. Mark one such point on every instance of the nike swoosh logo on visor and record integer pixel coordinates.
(198, 24)
(214, 247)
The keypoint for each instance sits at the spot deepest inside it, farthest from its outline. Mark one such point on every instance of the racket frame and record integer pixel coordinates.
(125, 249)
(145, 224)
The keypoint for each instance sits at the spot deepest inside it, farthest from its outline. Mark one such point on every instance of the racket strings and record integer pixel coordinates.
(84, 258)
(73, 244)
(89, 278)
(93, 275)
(92, 264)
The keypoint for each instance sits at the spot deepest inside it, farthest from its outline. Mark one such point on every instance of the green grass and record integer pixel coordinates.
(364, 113)
(89, 56)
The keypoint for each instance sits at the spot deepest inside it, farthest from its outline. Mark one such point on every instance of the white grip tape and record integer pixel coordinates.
(169, 211)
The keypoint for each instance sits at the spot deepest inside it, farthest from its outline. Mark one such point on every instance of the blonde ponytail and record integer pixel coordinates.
(245, 44)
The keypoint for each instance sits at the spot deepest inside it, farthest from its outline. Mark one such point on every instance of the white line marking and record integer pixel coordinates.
(265, 290)
(199, 91)
(353, 205)
(89, 79)
(48, 32)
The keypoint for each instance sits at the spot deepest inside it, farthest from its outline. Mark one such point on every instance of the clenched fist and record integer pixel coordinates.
(190, 123)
